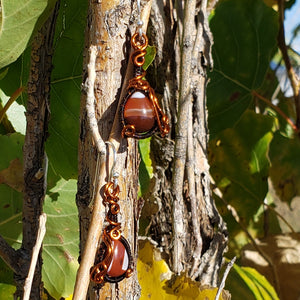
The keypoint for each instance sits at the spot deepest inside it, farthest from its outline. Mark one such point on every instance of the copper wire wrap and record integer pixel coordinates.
(98, 272)
(139, 44)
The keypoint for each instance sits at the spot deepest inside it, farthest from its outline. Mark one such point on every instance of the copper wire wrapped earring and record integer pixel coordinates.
(141, 114)
(113, 260)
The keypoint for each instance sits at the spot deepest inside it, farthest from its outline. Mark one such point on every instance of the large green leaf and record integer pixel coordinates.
(239, 163)
(61, 146)
(18, 21)
(247, 283)
(61, 243)
(285, 166)
(245, 34)
(7, 291)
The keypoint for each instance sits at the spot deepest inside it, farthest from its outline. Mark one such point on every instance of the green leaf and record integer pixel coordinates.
(7, 291)
(11, 215)
(245, 33)
(10, 199)
(257, 283)
(149, 57)
(239, 163)
(145, 168)
(61, 243)
(61, 146)
(15, 114)
(18, 21)
(11, 148)
(285, 166)
(17, 76)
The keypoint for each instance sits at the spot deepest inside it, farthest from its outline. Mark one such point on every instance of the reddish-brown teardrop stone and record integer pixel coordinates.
(139, 111)
(120, 262)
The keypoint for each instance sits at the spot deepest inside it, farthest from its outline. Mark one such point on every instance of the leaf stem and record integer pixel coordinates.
(277, 109)
(295, 83)
(11, 100)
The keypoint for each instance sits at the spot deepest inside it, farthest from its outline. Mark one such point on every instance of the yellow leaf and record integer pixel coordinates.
(154, 277)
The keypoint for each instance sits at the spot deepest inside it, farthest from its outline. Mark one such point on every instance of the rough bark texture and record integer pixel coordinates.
(109, 29)
(35, 162)
(187, 224)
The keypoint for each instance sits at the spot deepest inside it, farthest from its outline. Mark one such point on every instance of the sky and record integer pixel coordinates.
(292, 19)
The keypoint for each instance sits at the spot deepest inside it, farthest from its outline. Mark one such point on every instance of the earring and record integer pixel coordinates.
(141, 114)
(113, 260)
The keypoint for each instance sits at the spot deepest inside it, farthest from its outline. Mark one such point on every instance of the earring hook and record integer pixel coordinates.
(112, 176)
(139, 22)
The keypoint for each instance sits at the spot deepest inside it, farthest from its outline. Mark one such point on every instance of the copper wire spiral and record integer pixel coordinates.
(111, 233)
(139, 45)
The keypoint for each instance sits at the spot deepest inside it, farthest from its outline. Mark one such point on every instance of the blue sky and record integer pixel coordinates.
(292, 19)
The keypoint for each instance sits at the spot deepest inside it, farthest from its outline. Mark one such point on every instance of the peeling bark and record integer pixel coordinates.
(187, 225)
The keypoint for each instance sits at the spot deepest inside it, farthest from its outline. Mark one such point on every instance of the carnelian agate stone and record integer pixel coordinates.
(139, 112)
(120, 262)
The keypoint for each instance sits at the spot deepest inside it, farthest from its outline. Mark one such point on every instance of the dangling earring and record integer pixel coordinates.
(141, 114)
(113, 260)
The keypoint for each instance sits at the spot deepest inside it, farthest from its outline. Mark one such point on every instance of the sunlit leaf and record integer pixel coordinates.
(245, 33)
(149, 57)
(7, 291)
(15, 114)
(61, 243)
(145, 168)
(257, 283)
(18, 21)
(153, 275)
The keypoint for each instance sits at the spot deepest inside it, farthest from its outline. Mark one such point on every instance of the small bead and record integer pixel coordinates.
(139, 112)
(120, 261)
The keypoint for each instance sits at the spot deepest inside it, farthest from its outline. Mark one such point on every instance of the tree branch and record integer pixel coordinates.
(222, 285)
(9, 255)
(277, 109)
(295, 83)
(185, 97)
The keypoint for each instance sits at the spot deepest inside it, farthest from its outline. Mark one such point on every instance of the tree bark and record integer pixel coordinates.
(181, 33)
(35, 160)
(109, 30)
(188, 225)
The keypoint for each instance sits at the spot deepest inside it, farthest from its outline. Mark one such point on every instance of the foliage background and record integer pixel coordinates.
(253, 150)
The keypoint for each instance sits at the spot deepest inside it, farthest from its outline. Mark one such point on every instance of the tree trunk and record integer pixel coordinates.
(108, 29)
(185, 226)
(35, 160)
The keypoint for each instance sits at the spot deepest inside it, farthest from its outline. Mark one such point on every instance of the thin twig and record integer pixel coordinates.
(90, 101)
(11, 100)
(222, 285)
(295, 82)
(35, 255)
(277, 109)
